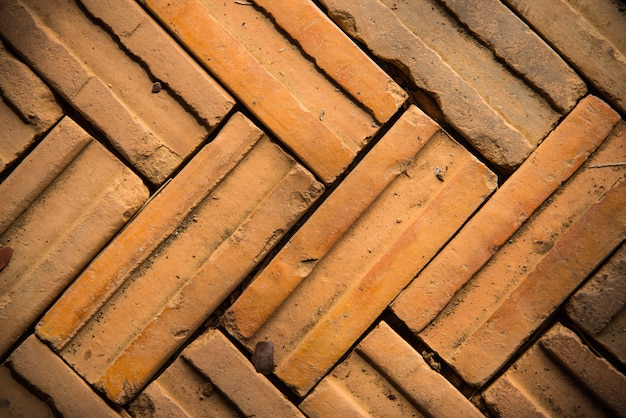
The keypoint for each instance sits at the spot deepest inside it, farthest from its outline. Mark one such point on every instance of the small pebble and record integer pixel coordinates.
(156, 87)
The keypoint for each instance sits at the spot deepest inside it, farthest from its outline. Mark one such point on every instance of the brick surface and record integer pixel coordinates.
(47, 374)
(179, 259)
(508, 116)
(596, 47)
(558, 377)
(90, 194)
(18, 402)
(599, 306)
(535, 271)
(360, 248)
(111, 90)
(302, 106)
(27, 110)
(385, 376)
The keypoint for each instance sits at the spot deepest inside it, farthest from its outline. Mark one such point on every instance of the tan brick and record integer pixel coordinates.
(78, 199)
(556, 159)
(268, 72)
(179, 259)
(595, 47)
(360, 248)
(220, 361)
(535, 271)
(111, 90)
(48, 374)
(508, 116)
(558, 377)
(385, 376)
(18, 402)
(599, 306)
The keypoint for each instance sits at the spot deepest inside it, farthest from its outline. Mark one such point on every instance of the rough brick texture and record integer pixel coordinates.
(17, 401)
(283, 87)
(179, 259)
(385, 376)
(509, 115)
(558, 377)
(360, 248)
(58, 220)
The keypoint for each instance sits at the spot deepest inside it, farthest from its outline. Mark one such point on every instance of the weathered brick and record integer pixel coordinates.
(18, 402)
(360, 248)
(78, 196)
(531, 275)
(111, 90)
(508, 116)
(47, 374)
(554, 161)
(558, 377)
(590, 34)
(385, 376)
(267, 71)
(598, 307)
(178, 260)
(27, 110)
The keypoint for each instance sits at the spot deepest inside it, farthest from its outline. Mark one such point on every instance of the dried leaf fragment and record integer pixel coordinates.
(5, 256)
(263, 357)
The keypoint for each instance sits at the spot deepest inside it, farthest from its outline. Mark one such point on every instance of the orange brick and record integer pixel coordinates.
(281, 86)
(178, 260)
(556, 159)
(385, 376)
(509, 115)
(91, 195)
(360, 248)
(535, 271)
(47, 375)
(17, 401)
(558, 377)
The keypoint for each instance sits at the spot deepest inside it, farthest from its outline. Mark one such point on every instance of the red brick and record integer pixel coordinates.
(596, 47)
(508, 116)
(17, 401)
(385, 376)
(178, 260)
(598, 307)
(558, 376)
(371, 236)
(281, 86)
(535, 271)
(47, 374)
(91, 195)
(556, 159)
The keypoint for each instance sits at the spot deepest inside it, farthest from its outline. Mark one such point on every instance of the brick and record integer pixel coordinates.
(18, 402)
(270, 75)
(385, 376)
(531, 275)
(220, 361)
(596, 47)
(207, 229)
(371, 236)
(598, 307)
(509, 116)
(110, 89)
(91, 195)
(27, 110)
(558, 376)
(47, 374)
(554, 161)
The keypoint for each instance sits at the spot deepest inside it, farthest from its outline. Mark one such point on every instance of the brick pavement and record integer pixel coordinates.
(418, 204)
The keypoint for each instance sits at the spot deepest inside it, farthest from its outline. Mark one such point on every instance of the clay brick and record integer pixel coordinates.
(558, 377)
(284, 88)
(111, 90)
(599, 306)
(178, 260)
(47, 374)
(385, 376)
(78, 198)
(531, 275)
(27, 110)
(360, 248)
(595, 47)
(509, 116)
(18, 402)
(554, 161)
